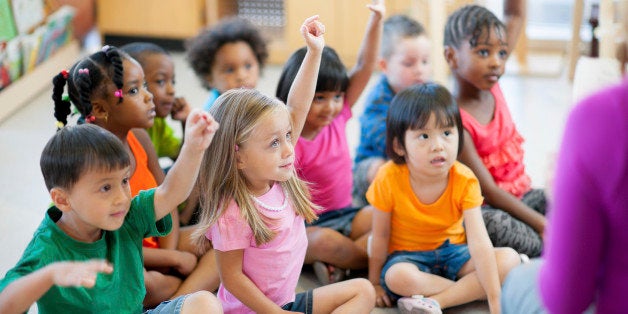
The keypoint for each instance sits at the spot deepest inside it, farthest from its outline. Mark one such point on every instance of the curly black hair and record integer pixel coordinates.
(202, 49)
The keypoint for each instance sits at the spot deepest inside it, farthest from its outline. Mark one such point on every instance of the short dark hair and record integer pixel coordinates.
(398, 27)
(202, 49)
(73, 150)
(332, 74)
(139, 50)
(471, 21)
(411, 109)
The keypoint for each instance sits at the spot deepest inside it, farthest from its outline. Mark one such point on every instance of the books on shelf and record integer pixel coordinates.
(23, 52)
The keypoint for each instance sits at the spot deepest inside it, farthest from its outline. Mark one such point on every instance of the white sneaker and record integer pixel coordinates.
(418, 304)
(524, 258)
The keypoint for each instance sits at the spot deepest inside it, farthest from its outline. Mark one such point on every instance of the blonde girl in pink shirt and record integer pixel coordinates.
(254, 207)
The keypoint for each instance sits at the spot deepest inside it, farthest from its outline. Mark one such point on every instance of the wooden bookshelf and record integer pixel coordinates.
(30, 85)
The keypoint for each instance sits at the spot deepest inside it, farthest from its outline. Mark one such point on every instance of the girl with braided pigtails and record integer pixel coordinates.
(108, 89)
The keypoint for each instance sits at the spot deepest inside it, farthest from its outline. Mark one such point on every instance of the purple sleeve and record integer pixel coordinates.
(577, 231)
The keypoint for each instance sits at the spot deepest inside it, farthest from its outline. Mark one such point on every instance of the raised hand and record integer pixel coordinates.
(377, 7)
(312, 31)
(200, 129)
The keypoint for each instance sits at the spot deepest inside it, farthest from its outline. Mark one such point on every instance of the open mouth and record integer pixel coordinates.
(438, 161)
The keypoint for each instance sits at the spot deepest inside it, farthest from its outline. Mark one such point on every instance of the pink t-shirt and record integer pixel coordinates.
(274, 267)
(325, 162)
(499, 145)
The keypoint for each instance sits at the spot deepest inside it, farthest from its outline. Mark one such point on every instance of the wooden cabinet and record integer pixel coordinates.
(151, 18)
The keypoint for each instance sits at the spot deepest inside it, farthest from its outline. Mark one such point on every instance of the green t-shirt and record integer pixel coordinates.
(119, 292)
(163, 138)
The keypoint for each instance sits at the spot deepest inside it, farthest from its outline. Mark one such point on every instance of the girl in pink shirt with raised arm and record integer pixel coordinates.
(254, 206)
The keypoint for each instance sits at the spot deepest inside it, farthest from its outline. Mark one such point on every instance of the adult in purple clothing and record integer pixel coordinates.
(586, 252)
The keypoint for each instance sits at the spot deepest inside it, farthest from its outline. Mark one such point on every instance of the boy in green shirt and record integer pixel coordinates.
(86, 256)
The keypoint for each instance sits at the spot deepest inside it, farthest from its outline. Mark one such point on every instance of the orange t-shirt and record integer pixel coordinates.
(142, 178)
(423, 227)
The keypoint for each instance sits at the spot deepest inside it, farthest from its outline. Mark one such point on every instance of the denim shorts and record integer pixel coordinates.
(339, 220)
(445, 261)
(169, 307)
(303, 302)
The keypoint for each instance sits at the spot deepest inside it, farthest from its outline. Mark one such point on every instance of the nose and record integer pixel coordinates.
(437, 144)
(148, 96)
(287, 150)
(123, 195)
(170, 88)
(496, 60)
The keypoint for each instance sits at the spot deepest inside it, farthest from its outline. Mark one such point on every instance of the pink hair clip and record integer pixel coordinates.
(64, 73)
(105, 48)
(237, 148)
(118, 93)
(90, 119)
(83, 71)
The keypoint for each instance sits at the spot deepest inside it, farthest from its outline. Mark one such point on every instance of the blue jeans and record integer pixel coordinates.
(445, 261)
(303, 302)
(169, 307)
(339, 220)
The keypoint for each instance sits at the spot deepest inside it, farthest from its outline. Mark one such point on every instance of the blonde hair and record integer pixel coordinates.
(238, 111)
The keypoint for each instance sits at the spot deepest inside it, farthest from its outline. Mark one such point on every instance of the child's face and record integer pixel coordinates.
(159, 70)
(409, 64)
(430, 152)
(324, 109)
(482, 65)
(268, 154)
(99, 200)
(235, 66)
(136, 109)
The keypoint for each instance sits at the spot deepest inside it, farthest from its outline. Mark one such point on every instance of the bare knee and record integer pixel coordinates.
(201, 302)
(507, 259)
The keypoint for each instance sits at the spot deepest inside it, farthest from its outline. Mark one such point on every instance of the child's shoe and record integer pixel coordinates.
(328, 274)
(418, 304)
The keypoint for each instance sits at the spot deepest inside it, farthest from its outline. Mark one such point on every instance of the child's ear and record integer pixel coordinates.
(61, 199)
(239, 160)
(399, 150)
(450, 56)
(99, 109)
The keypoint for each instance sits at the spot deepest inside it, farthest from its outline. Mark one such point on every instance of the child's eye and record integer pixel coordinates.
(145, 85)
(229, 70)
(423, 136)
(319, 98)
(173, 82)
(161, 82)
(338, 97)
(248, 66)
(125, 181)
(448, 133)
(274, 143)
(503, 53)
(289, 136)
(105, 188)
(408, 64)
(133, 91)
(483, 52)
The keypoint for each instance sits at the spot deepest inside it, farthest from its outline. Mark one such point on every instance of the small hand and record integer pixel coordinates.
(313, 30)
(381, 297)
(200, 129)
(186, 262)
(180, 110)
(79, 274)
(377, 7)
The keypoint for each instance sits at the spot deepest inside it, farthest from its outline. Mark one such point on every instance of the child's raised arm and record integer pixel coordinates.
(19, 295)
(199, 132)
(302, 89)
(367, 55)
(483, 256)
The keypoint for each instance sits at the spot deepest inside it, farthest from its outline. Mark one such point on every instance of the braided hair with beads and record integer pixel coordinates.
(87, 78)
